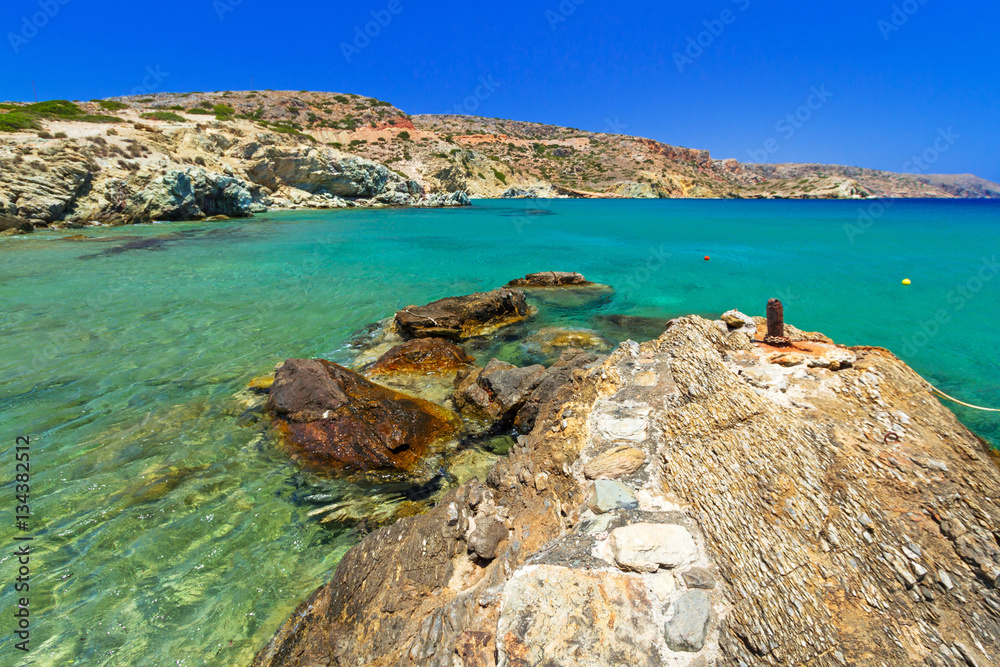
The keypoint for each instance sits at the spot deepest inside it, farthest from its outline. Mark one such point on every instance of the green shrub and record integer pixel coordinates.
(177, 107)
(7, 105)
(63, 135)
(17, 121)
(113, 105)
(500, 176)
(200, 112)
(341, 99)
(404, 135)
(168, 116)
(45, 135)
(335, 144)
(146, 100)
(223, 110)
(57, 108)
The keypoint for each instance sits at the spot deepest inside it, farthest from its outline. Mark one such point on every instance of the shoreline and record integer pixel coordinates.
(199, 155)
(14, 227)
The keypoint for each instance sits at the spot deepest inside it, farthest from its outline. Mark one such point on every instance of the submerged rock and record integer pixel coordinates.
(334, 418)
(15, 225)
(421, 355)
(553, 340)
(461, 317)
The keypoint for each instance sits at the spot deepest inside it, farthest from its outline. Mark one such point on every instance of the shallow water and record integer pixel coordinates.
(169, 531)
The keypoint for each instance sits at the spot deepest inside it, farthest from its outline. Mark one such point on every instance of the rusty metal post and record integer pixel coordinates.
(775, 319)
(776, 325)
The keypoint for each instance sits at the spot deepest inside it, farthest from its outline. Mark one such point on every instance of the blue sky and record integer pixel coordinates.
(873, 83)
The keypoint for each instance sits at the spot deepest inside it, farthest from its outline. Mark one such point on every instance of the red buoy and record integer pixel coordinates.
(707, 258)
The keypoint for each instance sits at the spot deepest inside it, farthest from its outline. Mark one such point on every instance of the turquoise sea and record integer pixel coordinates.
(169, 531)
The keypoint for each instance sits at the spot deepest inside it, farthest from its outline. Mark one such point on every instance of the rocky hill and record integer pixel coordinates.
(188, 156)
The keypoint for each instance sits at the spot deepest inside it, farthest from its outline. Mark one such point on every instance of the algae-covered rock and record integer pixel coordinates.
(460, 317)
(422, 355)
(334, 418)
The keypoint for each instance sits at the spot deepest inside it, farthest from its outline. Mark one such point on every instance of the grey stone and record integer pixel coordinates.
(699, 577)
(486, 537)
(688, 627)
(608, 495)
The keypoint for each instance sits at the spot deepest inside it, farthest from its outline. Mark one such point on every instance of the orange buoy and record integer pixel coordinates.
(707, 258)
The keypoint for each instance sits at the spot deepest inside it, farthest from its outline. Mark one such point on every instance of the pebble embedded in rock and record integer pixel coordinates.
(614, 463)
(486, 538)
(698, 577)
(688, 627)
(607, 495)
(646, 547)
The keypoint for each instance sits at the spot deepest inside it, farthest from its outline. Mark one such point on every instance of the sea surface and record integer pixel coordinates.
(168, 529)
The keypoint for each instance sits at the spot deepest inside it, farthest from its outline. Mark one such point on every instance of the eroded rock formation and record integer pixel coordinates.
(788, 514)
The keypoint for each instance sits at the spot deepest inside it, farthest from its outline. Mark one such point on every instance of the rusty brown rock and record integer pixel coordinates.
(460, 317)
(421, 355)
(333, 418)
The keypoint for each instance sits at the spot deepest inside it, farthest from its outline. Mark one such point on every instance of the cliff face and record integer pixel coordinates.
(247, 152)
(701, 499)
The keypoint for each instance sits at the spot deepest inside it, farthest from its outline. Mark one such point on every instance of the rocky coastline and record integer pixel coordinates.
(704, 498)
(196, 156)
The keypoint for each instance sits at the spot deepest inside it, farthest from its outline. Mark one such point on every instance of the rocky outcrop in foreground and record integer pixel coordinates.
(700, 499)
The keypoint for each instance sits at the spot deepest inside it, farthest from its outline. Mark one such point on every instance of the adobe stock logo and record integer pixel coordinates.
(900, 16)
(363, 36)
(792, 123)
(698, 44)
(31, 25)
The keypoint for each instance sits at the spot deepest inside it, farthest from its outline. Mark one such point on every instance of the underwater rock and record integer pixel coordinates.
(461, 317)
(552, 340)
(421, 355)
(334, 418)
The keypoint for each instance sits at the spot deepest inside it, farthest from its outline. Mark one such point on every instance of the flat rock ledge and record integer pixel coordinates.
(765, 517)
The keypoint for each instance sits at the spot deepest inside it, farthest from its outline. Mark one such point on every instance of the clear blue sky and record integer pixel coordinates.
(596, 65)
